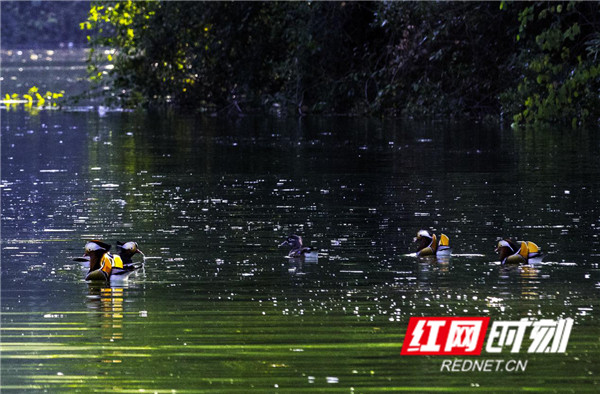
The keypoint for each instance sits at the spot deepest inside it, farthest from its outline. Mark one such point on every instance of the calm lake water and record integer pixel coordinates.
(219, 307)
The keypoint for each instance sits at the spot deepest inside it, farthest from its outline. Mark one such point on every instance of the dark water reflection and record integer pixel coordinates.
(219, 307)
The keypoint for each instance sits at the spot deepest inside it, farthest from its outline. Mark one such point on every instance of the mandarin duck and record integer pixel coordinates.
(518, 252)
(428, 245)
(107, 267)
(127, 250)
(298, 249)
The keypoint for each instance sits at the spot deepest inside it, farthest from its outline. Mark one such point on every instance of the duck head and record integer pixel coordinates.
(294, 241)
(127, 250)
(504, 249)
(95, 250)
(508, 247)
(297, 248)
(423, 240)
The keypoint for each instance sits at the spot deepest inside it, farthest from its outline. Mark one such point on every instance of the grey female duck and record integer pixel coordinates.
(297, 248)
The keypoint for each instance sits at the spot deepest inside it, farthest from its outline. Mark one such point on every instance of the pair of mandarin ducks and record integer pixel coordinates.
(104, 266)
(509, 251)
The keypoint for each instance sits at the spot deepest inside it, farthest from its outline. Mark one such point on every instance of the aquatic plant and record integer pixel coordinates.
(33, 99)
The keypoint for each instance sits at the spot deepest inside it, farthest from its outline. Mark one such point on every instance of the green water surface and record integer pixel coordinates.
(219, 308)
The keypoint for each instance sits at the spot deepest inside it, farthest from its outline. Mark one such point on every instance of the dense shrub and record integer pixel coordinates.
(530, 62)
(559, 60)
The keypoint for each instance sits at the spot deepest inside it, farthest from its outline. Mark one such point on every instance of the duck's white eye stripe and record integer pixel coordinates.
(504, 244)
(93, 246)
(130, 245)
(424, 233)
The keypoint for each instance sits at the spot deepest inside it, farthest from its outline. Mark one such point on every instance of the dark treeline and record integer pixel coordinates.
(523, 62)
(43, 24)
(415, 59)
(533, 62)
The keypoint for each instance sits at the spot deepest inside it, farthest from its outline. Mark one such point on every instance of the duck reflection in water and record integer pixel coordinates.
(433, 269)
(530, 282)
(523, 279)
(106, 309)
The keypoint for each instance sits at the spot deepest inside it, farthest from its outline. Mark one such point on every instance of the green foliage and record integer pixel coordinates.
(113, 46)
(416, 59)
(561, 73)
(234, 56)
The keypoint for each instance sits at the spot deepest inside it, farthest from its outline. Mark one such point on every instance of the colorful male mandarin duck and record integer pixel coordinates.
(106, 267)
(428, 245)
(298, 250)
(518, 252)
